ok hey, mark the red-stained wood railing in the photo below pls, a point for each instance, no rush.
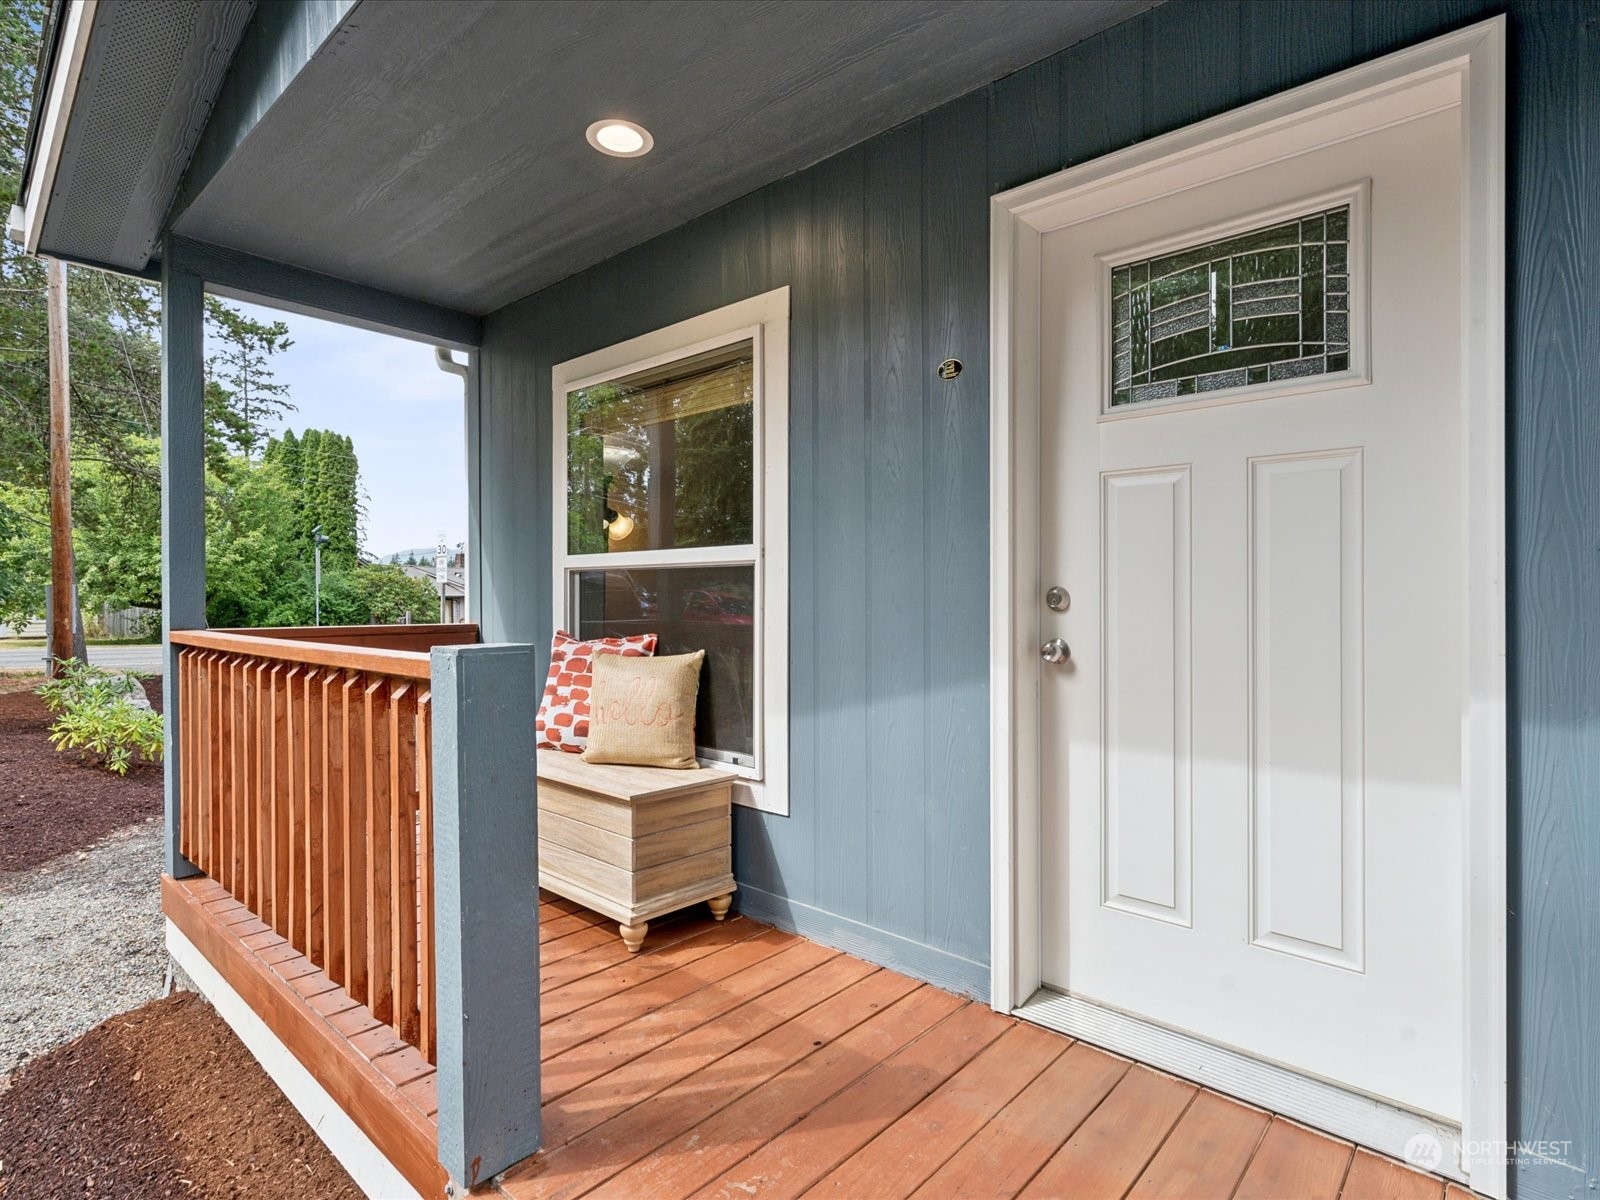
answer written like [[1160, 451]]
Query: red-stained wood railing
[[307, 792]]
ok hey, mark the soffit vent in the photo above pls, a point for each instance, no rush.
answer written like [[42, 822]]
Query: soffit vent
[[152, 71]]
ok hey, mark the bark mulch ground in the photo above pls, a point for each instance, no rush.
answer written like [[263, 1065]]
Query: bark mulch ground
[[162, 1101], [53, 803]]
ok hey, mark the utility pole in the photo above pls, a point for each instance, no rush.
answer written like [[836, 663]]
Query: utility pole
[[66, 636]]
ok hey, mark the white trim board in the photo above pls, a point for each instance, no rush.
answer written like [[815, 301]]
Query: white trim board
[[373, 1173], [1465, 69]]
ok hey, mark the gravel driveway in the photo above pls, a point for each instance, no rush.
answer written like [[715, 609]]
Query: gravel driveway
[[81, 939]]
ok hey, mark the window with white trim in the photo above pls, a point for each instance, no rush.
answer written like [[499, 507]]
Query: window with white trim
[[671, 518]]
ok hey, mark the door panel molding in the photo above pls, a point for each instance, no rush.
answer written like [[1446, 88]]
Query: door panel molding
[[1305, 563], [1146, 848], [1465, 69]]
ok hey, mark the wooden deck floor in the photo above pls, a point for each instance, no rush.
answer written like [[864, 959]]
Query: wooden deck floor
[[736, 1061]]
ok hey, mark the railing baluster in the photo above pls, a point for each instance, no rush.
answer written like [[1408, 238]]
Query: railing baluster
[[186, 743], [356, 766], [247, 776], [428, 1012], [207, 767], [312, 888], [281, 769], [219, 766], [216, 834], [238, 796], [262, 828], [295, 700], [230, 778], [379, 929], [403, 857], [205, 795], [332, 824]]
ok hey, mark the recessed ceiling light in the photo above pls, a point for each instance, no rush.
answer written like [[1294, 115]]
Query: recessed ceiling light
[[621, 139]]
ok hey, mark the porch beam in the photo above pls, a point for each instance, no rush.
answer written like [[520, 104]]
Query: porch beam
[[486, 911], [183, 527], [241, 276]]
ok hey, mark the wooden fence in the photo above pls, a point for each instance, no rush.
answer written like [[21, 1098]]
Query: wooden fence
[[307, 792]]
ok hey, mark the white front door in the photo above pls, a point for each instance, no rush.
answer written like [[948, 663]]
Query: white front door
[[1252, 809]]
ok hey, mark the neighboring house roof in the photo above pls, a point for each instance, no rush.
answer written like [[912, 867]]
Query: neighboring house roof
[[455, 583], [502, 195]]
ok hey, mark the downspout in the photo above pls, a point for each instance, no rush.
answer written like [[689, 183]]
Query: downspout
[[445, 361]]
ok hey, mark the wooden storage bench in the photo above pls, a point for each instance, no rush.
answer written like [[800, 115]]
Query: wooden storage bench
[[635, 843]]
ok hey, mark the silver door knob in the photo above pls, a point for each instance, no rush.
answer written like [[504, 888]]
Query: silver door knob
[[1055, 651]]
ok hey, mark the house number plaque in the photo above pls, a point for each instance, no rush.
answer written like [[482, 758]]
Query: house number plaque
[[950, 368]]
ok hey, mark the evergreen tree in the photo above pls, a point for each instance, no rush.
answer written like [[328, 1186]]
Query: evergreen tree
[[240, 367]]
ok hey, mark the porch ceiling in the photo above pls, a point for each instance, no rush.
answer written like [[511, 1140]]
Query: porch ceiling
[[437, 150]]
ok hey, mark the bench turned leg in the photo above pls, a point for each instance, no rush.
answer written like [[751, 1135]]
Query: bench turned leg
[[633, 935], [720, 905]]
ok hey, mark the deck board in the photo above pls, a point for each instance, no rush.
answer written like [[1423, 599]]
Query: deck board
[[1010, 1149], [599, 1055], [633, 1004], [1206, 1154], [1374, 1178], [636, 969], [720, 1057], [904, 1155], [1110, 1150], [791, 1162], [1295, 1161], [775, 1081]]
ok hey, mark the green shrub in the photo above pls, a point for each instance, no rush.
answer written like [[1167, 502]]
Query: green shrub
[[96, 716]]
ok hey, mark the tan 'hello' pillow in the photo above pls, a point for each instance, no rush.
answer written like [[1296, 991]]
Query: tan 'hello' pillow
[[641, 710]]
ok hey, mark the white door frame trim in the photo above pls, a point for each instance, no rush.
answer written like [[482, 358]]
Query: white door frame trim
[[1465, 68]]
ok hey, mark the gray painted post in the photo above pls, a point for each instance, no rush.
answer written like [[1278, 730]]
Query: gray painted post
[[183, 526], [486, 912]]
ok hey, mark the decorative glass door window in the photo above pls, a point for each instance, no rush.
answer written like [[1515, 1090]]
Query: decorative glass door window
[[662, 512], [1264, 306]]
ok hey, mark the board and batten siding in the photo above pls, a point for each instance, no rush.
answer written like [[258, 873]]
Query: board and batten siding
[[886, 249]]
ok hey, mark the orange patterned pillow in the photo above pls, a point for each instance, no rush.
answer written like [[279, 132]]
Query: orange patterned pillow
[[563, 720]]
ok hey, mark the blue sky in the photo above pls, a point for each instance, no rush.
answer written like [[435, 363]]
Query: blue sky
[[403, 413]]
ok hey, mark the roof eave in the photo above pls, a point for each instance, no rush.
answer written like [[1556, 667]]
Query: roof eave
[[60, 70]]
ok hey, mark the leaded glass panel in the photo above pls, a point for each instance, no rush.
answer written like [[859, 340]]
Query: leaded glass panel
[[1258, 307]]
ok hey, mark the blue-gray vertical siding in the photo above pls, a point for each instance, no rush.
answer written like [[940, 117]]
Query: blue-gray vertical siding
[[885, 247]]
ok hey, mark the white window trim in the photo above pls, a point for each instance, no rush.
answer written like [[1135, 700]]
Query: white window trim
[[763, 319]]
